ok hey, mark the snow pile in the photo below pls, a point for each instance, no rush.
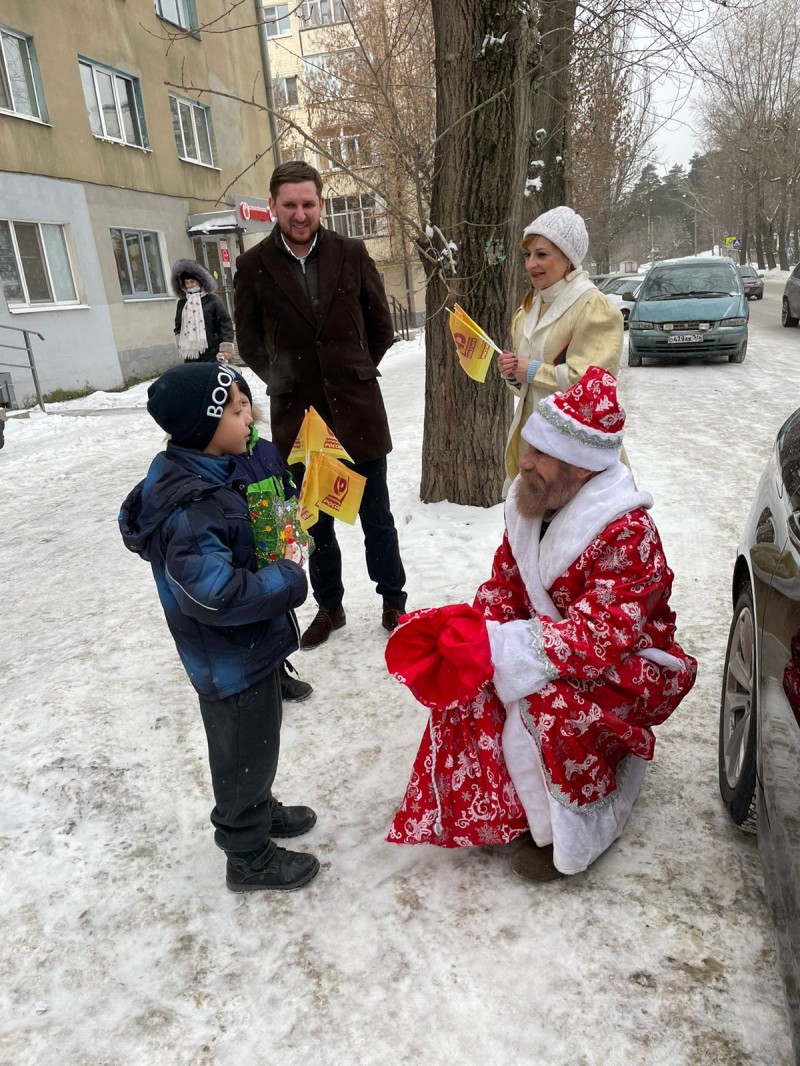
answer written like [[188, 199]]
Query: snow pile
[[121, 944]]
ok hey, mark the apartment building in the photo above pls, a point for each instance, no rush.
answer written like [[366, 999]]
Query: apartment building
[[299, 45], [114, 163]]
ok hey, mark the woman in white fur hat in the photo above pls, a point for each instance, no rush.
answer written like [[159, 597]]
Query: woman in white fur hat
[[564, 325]]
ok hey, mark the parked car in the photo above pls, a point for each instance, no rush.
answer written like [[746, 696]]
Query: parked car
[[693, 306], [753, 282], [614, 288], [759, 721], [599, 280], [790, 303]]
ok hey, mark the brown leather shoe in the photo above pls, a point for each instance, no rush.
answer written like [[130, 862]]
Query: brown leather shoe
[[390, 617], [323, 625], [533, 863]]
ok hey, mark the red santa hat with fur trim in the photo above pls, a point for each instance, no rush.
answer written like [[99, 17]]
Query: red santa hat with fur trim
[[582, 426]]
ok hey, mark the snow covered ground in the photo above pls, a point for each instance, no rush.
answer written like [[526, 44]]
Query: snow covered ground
[[121, 944]]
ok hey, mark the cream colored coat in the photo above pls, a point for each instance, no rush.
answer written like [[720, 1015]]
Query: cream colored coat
[[590, 325]]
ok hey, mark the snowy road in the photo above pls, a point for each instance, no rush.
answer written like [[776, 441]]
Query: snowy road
[[121, 945]]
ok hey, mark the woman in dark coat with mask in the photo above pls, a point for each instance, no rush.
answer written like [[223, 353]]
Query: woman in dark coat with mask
[[203, 327]]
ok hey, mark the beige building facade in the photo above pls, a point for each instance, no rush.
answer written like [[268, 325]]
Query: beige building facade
[[117, 158]]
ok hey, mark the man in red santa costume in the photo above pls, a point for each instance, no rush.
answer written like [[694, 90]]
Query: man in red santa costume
[[544, 694]]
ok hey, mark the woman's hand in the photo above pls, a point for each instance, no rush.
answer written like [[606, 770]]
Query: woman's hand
[[507, 364], [511, 368]]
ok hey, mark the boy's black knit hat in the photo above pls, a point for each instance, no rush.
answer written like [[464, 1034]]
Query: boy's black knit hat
[[241, 381], [187, 401]]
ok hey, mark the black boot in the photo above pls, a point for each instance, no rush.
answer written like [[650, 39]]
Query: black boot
[[291, 821], [293, 690], [273, 868]]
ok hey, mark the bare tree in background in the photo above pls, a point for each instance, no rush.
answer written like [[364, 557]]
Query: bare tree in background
[[751, 116], [372, 110], [611, 134]]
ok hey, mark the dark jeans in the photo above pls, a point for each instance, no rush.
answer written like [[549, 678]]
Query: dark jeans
[[244, 733], [384, 564]]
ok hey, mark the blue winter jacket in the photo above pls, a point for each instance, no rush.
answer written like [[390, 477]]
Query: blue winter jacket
[[230, 621]]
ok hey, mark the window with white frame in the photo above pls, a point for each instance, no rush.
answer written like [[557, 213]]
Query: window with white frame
[[140, 266], [191, 124], [113, 100], [360, 215], [322, 12], [319, 74], [180, 12], [276, 20], [346, 148], [35, 267], [20, 80], [296, 151], [286, 93]]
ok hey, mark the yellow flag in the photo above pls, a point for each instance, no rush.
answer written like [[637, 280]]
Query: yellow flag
[[340, 489], [462, 314], [314, 436], [307, 510], [329, 486], [473, 346]]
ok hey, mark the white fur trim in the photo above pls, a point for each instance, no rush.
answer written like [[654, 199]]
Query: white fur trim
[[578, 837], [661, 658], [602, 499], [521, 665], [551, 431], [523, 537]]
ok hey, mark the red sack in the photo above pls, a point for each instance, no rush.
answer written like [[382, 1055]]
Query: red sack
[[441, 654]]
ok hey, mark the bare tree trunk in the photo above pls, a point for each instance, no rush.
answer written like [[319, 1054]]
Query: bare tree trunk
[[760, 248], [483, 82], [552, 103], [783, 262], [769, 246], [744, 255]]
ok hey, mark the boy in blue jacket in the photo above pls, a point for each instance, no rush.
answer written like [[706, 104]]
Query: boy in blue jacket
[[230, 620]]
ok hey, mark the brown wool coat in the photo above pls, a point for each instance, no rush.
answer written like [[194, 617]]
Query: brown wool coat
[[328, 361]]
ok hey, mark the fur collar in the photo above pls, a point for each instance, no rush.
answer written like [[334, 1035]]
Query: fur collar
[[197, 270]]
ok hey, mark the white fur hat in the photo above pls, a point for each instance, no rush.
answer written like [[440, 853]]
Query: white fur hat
[[565, 229]]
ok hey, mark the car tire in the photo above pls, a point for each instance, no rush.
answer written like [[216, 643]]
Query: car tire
[[634, 359], [625, 317], [787, 319], [738, 716], [739, 357], [760, 297]]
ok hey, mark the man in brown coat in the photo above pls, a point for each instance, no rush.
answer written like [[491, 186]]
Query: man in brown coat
[[313, 322]]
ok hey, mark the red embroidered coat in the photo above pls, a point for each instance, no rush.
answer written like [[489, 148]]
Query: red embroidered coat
[[591, 693]]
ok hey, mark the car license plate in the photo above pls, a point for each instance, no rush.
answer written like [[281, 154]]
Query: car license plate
[[685, 338]]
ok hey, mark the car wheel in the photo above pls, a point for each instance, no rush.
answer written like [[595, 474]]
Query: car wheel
[[786, 318], [625, 317], [738, 715], [634, 359], [760, 296], [738, 357]]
